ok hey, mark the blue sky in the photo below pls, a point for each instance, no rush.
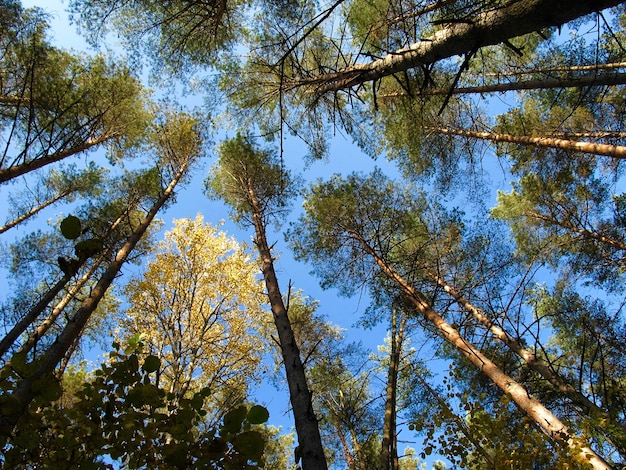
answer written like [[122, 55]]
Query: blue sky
[[345, 158]]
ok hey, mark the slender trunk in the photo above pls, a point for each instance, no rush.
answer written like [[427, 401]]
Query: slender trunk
[[529, 405], [389, 453], [590, 135], [44, 326], [608, 150], [14, 171], [589, 235], [26, 389], [570, 68], [58, 374], [346, 449], [33, 211], [616, 431], [10, 100], [309, 439], [540, 84], [485, 29], [32, 315]]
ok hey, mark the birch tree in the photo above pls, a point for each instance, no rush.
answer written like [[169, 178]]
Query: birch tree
[[195, 308]]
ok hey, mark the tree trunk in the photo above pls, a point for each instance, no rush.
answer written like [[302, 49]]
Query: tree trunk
[[486, 28], [32, 315], [346, 448], [14, 171], [606, 79], [25, 391], [617, 433], [551, 70], [389, 453], [309, 439], [46, 324], [529, 405], [33, 211], [608, 150]]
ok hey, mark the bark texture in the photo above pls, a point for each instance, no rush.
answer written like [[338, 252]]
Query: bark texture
[[606, 79], [618, 436], [607, 150], [529, 405], [14, 171], [486, 28], [307, 429]]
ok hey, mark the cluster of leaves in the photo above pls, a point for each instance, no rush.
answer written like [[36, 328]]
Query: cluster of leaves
[[119, 414], [196, 305], [560, 210], [464, 422], [71, 228]]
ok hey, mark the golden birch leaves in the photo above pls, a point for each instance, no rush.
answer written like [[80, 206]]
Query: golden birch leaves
[[195, 306]]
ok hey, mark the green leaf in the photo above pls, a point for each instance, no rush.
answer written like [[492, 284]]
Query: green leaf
[[143, 394], [70, 227], [215, 448], [258, 415], [176, 454], [197, 401], [250, 444], [88, 248], [47, 388], [151, 364], [234, 419], [19, 364], [9, 405], [134, 343]]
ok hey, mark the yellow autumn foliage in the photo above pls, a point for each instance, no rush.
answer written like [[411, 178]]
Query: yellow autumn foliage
[[197, 307]]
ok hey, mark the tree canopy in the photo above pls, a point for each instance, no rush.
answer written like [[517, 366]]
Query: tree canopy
[[484, 243]]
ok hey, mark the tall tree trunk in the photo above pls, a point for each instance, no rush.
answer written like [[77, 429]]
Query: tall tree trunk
[[389, 453], [551, 70], [615, 431], [33, 211], [46, 324], [486, 28], [346, 448], [606, 79], [38, 309], [529, 405], [32, 315], [608, 150], [307, 429], [26, 390], [14, 171]]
